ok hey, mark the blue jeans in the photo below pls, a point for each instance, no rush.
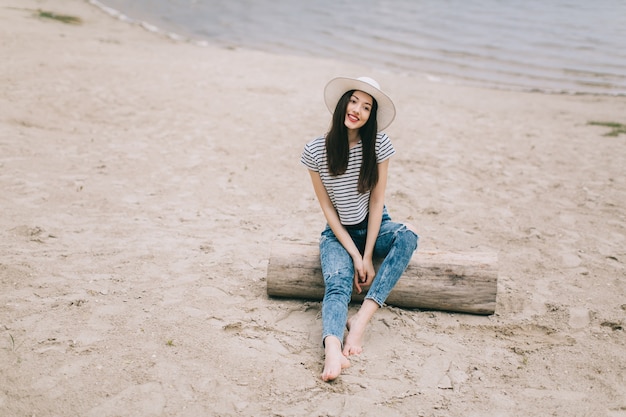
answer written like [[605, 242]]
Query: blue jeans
[[395, 243]]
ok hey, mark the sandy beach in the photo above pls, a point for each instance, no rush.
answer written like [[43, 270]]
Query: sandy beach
[[144, 180]]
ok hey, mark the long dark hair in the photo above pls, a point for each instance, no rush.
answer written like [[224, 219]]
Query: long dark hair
[[338, 148]]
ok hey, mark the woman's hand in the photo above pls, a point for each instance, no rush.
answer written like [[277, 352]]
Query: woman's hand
[[364, 273]]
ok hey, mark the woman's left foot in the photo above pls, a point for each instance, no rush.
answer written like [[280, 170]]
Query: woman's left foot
[[354, 340]]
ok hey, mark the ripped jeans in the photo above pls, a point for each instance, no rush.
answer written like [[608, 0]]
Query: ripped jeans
[[395, 243]]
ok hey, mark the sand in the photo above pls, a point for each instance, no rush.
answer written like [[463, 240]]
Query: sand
[[144, 179]]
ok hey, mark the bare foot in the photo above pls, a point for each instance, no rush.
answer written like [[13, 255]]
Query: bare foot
[[354, 339], [334, 361], [356, 328]]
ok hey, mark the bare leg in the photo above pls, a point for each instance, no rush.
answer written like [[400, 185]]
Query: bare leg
[[334, 360], [356, 327]]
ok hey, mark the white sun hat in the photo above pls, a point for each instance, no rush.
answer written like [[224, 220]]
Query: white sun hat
[[340, 85]]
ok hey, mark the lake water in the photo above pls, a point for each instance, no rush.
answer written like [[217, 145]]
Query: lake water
[[567, 46]]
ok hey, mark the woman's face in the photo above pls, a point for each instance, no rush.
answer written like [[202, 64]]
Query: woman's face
[[358, 110]]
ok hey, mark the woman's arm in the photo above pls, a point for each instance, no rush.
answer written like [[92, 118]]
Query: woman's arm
[[332, 218], [376, 205]]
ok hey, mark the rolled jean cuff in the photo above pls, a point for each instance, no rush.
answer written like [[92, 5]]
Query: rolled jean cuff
[[381, 304]]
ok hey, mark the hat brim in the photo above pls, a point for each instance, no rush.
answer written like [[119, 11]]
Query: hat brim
[[337, 87]]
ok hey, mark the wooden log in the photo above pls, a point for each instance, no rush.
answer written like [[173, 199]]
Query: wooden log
[[448, 281]]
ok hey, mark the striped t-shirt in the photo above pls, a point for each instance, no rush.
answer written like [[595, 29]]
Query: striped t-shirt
[[352, 207]]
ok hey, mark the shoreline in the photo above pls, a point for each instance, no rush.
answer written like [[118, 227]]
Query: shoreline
[[116, 14], [437, 77], [145, 180]]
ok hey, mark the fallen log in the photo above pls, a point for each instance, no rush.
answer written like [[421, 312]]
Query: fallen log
[[448, 281]]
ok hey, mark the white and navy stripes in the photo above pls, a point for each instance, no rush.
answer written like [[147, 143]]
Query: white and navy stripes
[[352, 206]]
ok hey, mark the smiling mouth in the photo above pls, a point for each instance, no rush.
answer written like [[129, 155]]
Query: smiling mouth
[[353, 118]]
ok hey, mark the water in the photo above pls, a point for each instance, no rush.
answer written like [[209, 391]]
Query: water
[[570, 46]]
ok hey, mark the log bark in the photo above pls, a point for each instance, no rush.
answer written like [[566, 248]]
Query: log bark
[[448, 281]]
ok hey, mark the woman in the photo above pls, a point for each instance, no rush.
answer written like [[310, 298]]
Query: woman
[[348, 168]]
